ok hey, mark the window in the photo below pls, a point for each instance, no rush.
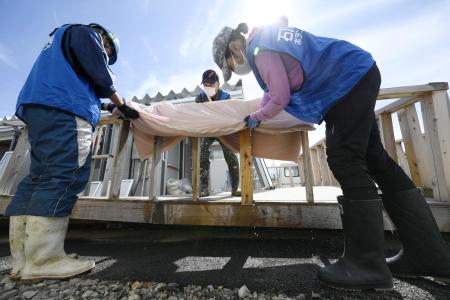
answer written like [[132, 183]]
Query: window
[[294, 171]]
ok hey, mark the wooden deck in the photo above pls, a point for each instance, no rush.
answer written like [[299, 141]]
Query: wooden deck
[[285, 207]]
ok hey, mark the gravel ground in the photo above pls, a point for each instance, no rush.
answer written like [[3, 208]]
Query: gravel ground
[[145, 262]]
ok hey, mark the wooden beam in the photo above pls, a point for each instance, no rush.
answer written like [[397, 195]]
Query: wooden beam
[[155, 171], [274, 214], [301, 168], [401, 156], [315, 166], [195, 168], [417, 138], [323, 165], [414, 90], [245, 144], [387, 134], [120, 150], [441, 105], [409, 148], [396, 105], [308, 166], [440, 190], [12, 170]]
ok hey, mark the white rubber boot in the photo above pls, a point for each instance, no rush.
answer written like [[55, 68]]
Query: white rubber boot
[[16, 244], [44, 250]]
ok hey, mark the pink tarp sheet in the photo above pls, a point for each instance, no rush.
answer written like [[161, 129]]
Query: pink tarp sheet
[[278, 138]]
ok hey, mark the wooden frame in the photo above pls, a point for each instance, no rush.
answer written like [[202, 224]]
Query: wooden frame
[[427, 157]]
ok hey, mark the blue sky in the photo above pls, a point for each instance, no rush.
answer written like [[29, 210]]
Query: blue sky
[[167, 44]]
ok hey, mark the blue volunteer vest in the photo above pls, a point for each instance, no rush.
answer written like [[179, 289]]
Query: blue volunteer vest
[[53, 82], [331, 68], [223, 95]]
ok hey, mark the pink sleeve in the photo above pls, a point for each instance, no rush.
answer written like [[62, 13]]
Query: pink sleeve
[[271, 69]]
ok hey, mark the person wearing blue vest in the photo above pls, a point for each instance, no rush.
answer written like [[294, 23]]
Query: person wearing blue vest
[[60, 104], [212, 92], [318, 79]]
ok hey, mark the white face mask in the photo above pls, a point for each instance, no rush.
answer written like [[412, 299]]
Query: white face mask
[[210, 91], [243, 69]]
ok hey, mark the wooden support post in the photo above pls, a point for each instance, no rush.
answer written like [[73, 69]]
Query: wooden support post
[[387, 135], [245, 145], [440, 191], [155, 172], [110, 161], [315, 167], [441, 105], [420, 147], [402, 162], [409, 148], [120, 150], [14, 165], [301, 169], [308, 167], [195, 168], [323, 165]]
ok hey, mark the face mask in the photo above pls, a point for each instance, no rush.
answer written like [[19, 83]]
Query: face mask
[[210, 91], [243, 69]]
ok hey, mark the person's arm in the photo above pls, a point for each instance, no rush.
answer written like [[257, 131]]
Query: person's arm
[[87, 47], [272, 71]]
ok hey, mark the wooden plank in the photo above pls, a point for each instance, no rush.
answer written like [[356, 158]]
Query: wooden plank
[[418, 141], [315, 166], [308, 166], [109, 120], [195, 168], [387, 134], [273, 214], [409, 148], [440, 191], [12, 170], [441, 105], [245, 145], [414, 90], [301, 168], [109, 168], [396, 105], [323, 165], [402, 162], [154, 189], [124, 129]]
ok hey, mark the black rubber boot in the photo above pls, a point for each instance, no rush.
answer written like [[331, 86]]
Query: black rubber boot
[[362, 266], [424, 252]]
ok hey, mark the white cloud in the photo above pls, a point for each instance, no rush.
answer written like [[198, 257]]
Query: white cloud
[[152, 84], [198, 36], [149, 50], [6, 57]]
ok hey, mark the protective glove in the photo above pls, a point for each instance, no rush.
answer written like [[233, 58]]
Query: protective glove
[[250, 123], [128, 112], [108, 106]]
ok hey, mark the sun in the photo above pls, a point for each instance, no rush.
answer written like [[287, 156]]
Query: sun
[[264, 12]]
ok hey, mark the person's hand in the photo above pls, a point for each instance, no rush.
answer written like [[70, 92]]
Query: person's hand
[[128, 112], [107, 106], [250, 123]]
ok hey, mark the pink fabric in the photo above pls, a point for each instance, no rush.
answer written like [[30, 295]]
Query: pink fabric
[[277, 138]]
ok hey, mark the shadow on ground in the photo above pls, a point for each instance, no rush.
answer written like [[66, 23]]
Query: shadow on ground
[[275, 260]]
